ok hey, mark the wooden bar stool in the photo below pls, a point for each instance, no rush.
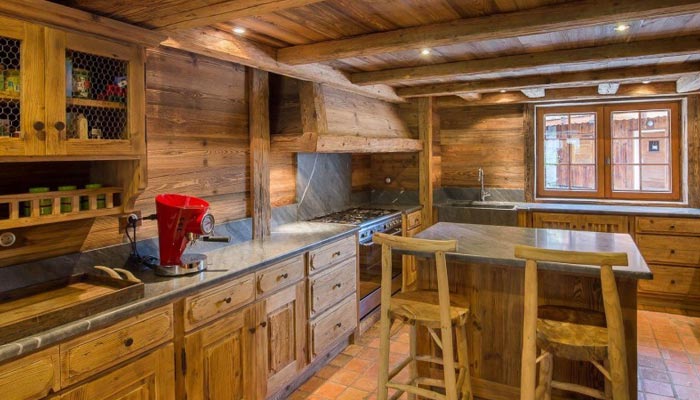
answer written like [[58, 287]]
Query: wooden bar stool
[[570, 333], [431, 309]]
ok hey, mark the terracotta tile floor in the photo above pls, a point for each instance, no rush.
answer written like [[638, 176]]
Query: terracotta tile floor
[[668, 354]]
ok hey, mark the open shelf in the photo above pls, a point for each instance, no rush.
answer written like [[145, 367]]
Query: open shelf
[[8, 95], [31, 202], [76, 101]]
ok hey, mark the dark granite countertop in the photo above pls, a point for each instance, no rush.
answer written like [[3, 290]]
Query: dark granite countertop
[[404, 208], [495, 245], [225, 263], [597, 209]]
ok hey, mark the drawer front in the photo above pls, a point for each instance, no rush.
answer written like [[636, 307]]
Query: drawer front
[[32, 377], [672, 280], [87, 355], [332, 325], [209, 304], [670, 249], [279, 275], [680, 226], [413, 220], [331, 286], [330, 254]]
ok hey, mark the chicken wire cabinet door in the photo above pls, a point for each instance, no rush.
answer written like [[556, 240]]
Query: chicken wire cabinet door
[[22, 128], [95, 97]]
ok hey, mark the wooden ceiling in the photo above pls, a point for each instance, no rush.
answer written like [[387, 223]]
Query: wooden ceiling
[[475, 46]]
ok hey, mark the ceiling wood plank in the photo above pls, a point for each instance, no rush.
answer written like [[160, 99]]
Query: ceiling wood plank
[[565, 94], [688, 83], [534, 93], [225, 11], [224, 46], [493, 27], [608, 88], [584, 78], [633, 52]]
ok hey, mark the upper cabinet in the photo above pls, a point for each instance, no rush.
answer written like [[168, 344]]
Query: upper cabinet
[[65, 94]]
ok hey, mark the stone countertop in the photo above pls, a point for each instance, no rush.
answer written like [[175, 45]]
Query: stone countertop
[[404, 208], [225, 263], [486, 244], [597, 209]]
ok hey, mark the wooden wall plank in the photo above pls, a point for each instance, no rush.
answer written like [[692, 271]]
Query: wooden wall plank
[[259, 92], [427, 124]]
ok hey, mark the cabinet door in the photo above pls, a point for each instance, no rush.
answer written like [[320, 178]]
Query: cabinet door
[[147, 378], [555, 221], [94, 97], [604, 223], [21, 89], [218, 359], [282, 337]]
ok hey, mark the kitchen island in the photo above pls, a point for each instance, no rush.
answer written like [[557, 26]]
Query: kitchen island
[[485, 270]]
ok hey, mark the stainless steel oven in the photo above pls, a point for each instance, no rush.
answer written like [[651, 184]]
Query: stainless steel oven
[[371, 271]]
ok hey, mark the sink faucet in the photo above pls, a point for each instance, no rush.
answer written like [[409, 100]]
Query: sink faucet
[[483, 194]]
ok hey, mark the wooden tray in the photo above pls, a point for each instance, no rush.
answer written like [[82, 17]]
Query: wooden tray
[[37, 308]]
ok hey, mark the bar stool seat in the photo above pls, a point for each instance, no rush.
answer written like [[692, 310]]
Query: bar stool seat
[[572, 341], [423, 307]]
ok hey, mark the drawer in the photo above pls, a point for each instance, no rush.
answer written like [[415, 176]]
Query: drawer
[[670, 249], [332, 325], [330, 254], [680, 226], [205, 306], [413, 220], [331, 286], [672, 280], [95, 352], [280, 275], [32, 377]]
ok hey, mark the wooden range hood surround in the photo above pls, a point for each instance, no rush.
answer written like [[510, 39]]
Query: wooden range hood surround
[[312, 117]]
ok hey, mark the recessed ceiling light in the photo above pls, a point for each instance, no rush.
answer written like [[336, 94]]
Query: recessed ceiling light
[[425, 52], [238, 30], [502, 90], [646, 82], [622, 27]]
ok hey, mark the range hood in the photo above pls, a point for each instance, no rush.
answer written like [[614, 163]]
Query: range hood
[[311, 117]]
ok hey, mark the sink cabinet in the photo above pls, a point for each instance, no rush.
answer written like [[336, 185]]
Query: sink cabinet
[[581, 222]]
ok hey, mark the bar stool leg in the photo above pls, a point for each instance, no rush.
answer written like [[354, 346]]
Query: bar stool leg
[[544, 387], [608, 384], [464, 380], [413, 366]]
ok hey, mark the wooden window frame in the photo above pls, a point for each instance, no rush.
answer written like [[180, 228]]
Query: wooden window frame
[[604, 149]]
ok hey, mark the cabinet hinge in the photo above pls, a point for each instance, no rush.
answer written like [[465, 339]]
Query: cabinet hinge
[[183, 361]]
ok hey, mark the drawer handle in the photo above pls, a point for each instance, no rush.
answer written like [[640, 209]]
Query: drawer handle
[[251, 330], [336, 254], [673, 281], [339, 324], [672, 227], [228, 300], [128, 342], [673, 251], [337, 285], [263, 324], [283, 276]]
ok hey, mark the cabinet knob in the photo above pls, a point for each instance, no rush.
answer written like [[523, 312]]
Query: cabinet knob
[[673, 251], [128, 342], [60, 125], [39, 126], [339, 324], [251, 330], [336, 254], [672, 227], [227, 300], [337, 285], [673, 281], [284, 276], [263, 324]]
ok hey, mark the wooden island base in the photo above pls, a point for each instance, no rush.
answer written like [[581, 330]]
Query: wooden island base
[[496, 323]]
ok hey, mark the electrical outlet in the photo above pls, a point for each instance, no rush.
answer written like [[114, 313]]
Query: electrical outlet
[[124, 220]]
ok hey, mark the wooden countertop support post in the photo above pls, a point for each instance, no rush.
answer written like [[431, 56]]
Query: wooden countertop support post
[[426, 128], [259, 128]]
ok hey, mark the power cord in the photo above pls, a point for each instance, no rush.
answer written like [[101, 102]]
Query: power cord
[[132, 222]]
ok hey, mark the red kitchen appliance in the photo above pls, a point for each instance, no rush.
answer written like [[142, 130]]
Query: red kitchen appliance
[[181, 220]]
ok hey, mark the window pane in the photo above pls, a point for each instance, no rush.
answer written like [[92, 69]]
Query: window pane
[[625, 124], [656, 178], [655, 123], [582, 126], [556, 152], [582, 151], [625, 151], [626, 177], [655, 151], [583, 177], [556, 177], [556, 126]]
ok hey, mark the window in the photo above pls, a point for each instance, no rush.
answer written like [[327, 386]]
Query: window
[[611, 151]]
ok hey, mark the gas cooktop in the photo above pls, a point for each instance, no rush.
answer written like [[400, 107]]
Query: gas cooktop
[[354, 216]]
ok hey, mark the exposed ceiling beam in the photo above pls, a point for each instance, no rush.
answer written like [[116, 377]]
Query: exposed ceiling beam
[[225, 11], [632, 52], [534, 93], [499, 26], [224, 46], [608, 88], [470, 96], [569, 79], [566, 94], [688, 83]]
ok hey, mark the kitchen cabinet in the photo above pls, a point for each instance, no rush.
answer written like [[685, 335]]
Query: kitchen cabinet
[[32, 377], [67, 94], [581, 222], [411, 227]]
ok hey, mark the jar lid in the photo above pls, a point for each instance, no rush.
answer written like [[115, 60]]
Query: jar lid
[[93, 186], [39, 190], [67, 187]]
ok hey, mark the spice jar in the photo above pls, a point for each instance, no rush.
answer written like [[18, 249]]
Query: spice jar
[[66, 202], [12, 80], [45, 205], [101, 198]]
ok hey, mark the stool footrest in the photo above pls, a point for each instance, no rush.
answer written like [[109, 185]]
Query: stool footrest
[[399, 367], [572, 387], [416, 390], [437, 360]]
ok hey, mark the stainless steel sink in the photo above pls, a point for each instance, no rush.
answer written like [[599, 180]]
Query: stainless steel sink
[[479, 212]]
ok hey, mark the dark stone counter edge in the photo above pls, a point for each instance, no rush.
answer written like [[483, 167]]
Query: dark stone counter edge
[[637, 210], [59, 334]]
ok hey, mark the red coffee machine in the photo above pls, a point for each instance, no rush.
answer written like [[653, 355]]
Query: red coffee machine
[[181, 220]]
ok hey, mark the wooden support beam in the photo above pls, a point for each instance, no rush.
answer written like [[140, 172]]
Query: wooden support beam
[[608, 88], [632, 52], [426, 128], [259, 128], [688, 83], [570, 79], [78, 21], [224, 11], [567, 94], [225, 46], [534, 93], [535, 21]]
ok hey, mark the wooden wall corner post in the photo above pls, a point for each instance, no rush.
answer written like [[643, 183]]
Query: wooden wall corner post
[[259, 129], [426, 127], [693, 132], [530, 166]]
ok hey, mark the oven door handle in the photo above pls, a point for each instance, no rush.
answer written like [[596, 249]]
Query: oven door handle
[[394, 232]]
